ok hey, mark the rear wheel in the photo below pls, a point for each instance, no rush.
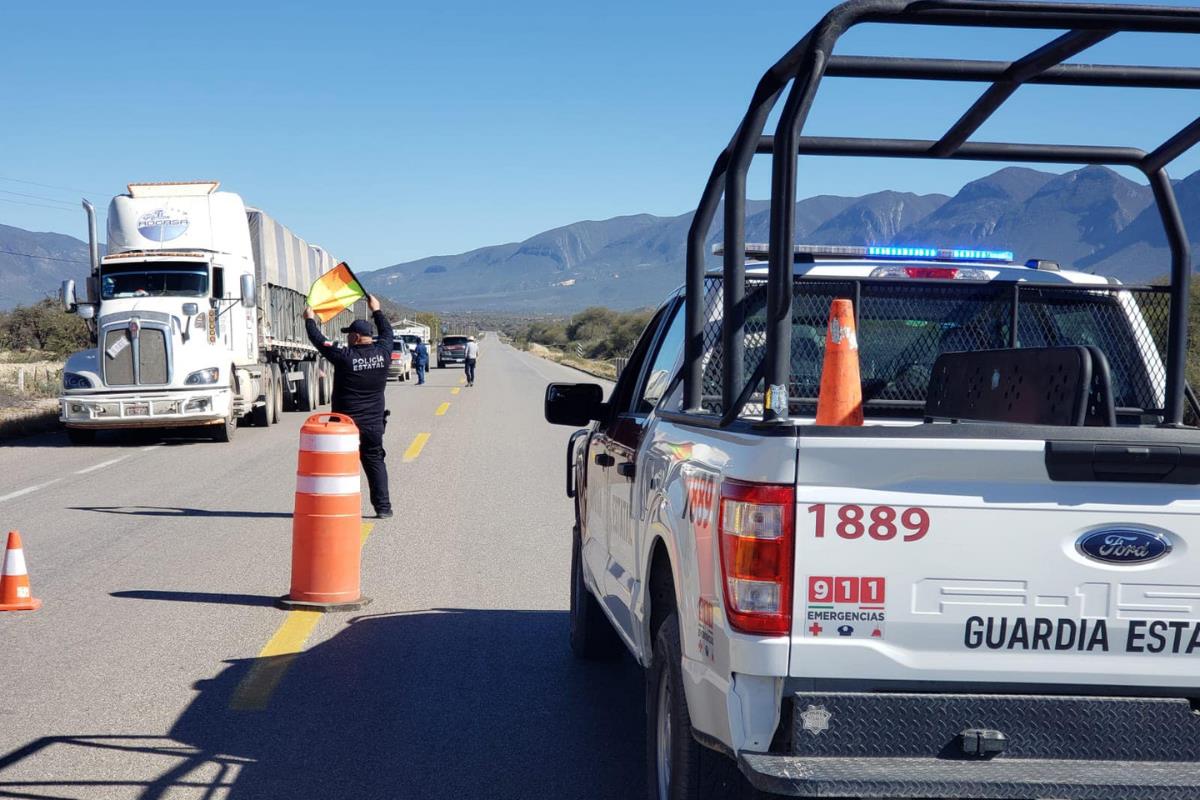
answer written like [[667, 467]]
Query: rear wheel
[[592, 636], [81, 436], [678, 767]]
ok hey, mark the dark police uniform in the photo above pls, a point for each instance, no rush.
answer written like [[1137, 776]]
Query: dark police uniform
[[360, 374]]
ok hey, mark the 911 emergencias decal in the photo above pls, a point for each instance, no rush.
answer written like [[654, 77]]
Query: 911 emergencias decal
[[842, 607]]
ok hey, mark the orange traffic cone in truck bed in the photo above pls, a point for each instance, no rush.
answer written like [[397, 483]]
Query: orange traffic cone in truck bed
[[840, 400], [15, 594]]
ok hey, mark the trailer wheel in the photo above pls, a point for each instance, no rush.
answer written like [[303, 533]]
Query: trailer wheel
[[306, 388], [277, 393], [324, 386], [81, 436], [262, 415], [291, 397]]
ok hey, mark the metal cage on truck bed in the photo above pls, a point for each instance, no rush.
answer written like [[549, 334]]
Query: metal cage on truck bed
[[811, 60]]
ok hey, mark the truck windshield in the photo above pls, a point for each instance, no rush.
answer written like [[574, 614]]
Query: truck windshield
[[454, 341], [155, 279]]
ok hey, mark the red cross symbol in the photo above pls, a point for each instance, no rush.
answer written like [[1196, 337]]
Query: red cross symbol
[[815, 629]]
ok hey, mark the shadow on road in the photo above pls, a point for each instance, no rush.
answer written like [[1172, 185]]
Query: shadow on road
[[198, 597], [166, 511], [440, 705], [110, 439]]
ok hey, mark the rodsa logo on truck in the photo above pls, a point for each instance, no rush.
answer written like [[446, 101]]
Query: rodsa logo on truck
[[986, 589]]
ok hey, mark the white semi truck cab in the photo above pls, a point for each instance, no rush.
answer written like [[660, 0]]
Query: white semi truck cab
[[195, 312], [989, 588]]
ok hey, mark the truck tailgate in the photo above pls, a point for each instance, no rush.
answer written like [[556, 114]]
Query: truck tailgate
[[960, 560]]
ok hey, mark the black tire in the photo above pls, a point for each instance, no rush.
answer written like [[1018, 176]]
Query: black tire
[[695, 772], [290, 398], [262, 415], [225, 432], [592, 635], [277, 394], [306, 387], [324, 385], [81, 436]]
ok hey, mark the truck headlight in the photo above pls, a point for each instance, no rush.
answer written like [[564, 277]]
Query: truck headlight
[[203, 376], [73, 380]]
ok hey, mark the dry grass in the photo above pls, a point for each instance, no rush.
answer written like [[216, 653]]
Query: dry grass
[[601, 369], [29, 406]]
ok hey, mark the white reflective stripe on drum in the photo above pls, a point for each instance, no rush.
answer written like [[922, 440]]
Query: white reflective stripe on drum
[[329, 442], [14, 562], [327, 484]]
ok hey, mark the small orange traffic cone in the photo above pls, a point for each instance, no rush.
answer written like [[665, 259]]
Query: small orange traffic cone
[[14, 583], [840, 399]]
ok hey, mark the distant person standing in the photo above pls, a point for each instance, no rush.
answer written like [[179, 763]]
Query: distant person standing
[[421, 361], [360, 373], [469, 364]]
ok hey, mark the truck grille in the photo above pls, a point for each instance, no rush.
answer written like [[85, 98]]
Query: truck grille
[[143, 360]]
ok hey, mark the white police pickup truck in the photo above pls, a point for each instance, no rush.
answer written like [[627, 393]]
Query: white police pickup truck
[[985, 590]]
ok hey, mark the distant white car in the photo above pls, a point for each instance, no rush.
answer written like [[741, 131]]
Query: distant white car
[[402, 361]]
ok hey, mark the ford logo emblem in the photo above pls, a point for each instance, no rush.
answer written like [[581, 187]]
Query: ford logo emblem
[[1123, 545]]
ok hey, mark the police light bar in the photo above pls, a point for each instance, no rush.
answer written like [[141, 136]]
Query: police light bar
[[760, 252]]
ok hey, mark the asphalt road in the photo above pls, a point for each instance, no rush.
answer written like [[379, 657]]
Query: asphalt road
[[158, 562]]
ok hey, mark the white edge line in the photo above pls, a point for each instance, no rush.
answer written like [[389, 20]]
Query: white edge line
[[27, 490], [101, 465]]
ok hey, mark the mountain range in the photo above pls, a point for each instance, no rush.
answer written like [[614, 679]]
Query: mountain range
[[1092, 219]]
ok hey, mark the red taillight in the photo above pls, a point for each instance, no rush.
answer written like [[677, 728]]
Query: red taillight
[[757, 524], [395, 356], [931, 272]]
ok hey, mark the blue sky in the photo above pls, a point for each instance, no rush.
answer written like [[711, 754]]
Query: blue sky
[[391, 131]]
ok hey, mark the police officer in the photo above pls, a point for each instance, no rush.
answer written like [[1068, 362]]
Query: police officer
[[360, 373]]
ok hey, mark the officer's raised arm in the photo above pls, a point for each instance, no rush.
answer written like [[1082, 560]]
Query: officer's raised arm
[[384, 336], [323, 345]]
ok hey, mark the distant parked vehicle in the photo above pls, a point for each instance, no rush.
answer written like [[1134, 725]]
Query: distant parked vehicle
[[452, 350], [401, 366]]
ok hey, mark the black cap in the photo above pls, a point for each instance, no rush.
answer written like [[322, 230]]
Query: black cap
[[359, 326]]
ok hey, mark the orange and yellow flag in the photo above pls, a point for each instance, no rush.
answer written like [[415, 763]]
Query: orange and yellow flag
[[334, 292]]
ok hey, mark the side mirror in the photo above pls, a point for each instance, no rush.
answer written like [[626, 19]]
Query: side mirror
[[573, 404], [249, 290], [190, 309], [86, 311], [67, 296]]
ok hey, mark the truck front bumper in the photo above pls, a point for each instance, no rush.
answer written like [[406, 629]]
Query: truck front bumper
[[151, 410], [928, 745]]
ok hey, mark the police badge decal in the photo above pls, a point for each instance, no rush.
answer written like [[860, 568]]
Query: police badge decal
[[815, 720]]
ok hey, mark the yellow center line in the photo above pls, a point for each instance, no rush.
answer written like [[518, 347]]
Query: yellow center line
[[255, 690], [456, 390], [463, 381], [414, 449], [442, 409]]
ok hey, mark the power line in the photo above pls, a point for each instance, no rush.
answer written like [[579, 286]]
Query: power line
[[35, 205], [46, 258], [38, 197], [52, 186]]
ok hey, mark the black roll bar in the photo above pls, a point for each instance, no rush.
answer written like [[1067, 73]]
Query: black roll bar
[[812, 59]]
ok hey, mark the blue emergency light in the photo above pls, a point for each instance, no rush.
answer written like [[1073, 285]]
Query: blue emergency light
[[951, 254], [760, 252]]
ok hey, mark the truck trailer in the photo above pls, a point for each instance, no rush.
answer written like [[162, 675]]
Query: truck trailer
[[196, 316]]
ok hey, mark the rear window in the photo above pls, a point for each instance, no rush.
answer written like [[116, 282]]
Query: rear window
[[903, 327], [454, 340]]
